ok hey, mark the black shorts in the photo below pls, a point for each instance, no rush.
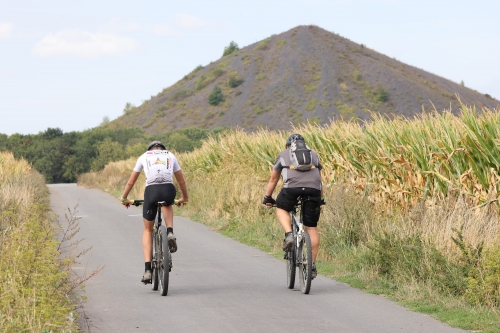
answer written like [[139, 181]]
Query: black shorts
[[152, 195], [287, 198]]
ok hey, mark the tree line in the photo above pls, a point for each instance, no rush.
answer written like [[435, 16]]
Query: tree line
[[61, 157]]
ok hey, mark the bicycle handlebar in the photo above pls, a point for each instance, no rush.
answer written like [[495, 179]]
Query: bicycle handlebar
[[137, 203]]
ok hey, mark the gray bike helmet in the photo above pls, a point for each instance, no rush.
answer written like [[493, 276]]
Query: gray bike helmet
[[156, 143], [292, 138]]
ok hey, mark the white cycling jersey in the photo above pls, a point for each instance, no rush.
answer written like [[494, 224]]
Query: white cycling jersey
[[158, 165]]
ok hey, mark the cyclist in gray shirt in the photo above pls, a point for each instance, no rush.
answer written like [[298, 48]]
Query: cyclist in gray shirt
[[296, 183]]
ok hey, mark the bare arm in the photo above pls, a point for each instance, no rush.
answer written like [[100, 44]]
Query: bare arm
[[273, 181], [182, 184], [128, 187]]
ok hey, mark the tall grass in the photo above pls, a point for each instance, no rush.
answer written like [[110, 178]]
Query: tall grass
[[35, 288], [113, 178]]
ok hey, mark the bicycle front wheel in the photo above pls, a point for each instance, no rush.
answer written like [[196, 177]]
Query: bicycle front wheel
[[154, 262], [163, 261], [305, 265], [290, 266]]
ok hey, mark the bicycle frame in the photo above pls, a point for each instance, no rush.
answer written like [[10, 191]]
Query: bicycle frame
[[297, 229]]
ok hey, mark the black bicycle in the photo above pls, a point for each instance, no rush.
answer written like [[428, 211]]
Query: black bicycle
[[161, 262], [300, 255]]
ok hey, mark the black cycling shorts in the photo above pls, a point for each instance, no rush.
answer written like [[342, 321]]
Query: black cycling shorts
[[287, 198], [152, 195]]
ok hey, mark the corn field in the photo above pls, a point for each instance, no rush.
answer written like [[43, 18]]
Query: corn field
[[399, 161]]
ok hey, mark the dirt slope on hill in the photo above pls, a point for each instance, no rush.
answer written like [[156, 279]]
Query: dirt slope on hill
[[306, 73]]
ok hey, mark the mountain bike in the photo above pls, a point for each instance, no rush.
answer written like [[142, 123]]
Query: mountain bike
[[300, 255], [161, 262]]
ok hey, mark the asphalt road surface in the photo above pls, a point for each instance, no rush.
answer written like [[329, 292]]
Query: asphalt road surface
[[216, 284]]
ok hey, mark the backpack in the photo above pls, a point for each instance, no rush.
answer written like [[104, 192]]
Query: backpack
[[300, 156]]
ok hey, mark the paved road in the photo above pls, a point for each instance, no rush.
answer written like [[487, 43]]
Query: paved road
[[216, 285]]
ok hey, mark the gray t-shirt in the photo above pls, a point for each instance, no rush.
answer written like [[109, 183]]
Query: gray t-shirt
[[294, 178]]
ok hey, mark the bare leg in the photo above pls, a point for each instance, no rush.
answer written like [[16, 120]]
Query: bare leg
[[314, 234], [284, 219], [168, 216], [147, 241]]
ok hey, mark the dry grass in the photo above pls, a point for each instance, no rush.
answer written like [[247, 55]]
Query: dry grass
[[113, 178], [36, 293]]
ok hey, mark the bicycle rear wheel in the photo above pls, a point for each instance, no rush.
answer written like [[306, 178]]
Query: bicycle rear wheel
[[163, 261], [154, 262], [305, 265], [290, 266]]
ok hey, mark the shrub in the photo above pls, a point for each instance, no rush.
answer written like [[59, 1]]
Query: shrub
[[411, 258], [382, 95], [200, 83], [234, 80], [231, 48], [216, 72], [181, 94], [216, 96], [484, 287]]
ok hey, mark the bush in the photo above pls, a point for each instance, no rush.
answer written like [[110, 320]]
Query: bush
[[382, 95], [234, 80], [181, 94], [410, 258], [484, 284], [232, 47], [216, 96], [200, 83]]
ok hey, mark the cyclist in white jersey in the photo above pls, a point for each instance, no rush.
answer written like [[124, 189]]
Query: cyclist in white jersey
[[159, 166]]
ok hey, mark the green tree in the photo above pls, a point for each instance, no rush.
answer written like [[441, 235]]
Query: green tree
[[180, 142], [129, 107], [216, 96], [232, 47], [108, 151]]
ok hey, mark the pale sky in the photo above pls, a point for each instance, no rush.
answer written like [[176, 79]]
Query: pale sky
[[69, 63]]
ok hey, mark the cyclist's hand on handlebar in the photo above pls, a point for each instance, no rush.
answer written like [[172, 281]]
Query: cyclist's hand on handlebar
[[126, 202], [269, 201], [180, 202]]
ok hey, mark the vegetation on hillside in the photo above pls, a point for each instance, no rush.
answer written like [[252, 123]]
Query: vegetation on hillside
[[412, 205], [60, 157], [303, 73], [37, 292]]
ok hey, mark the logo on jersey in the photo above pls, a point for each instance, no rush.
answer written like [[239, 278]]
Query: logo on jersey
[[158, 162]]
